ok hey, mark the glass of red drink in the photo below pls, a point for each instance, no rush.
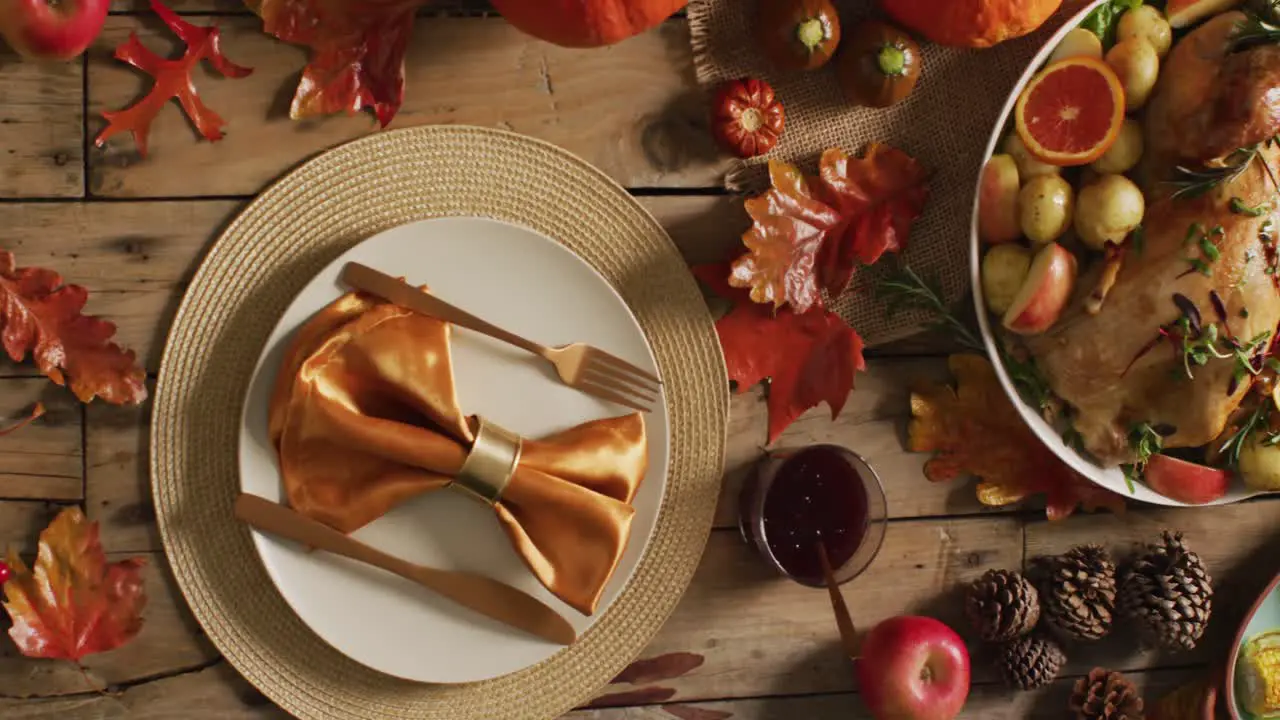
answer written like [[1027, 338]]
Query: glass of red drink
[[799, 498]]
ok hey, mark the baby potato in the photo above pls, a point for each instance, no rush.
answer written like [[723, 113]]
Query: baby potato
[[1137, 65], [1108, 210], [1124, 155], [1045, 206], [1260, 464], [1148, 23], [1004, 269], [1077, 43], [1028, 165]]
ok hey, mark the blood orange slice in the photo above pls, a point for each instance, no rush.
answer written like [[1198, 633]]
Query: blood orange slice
[[1072, 112]]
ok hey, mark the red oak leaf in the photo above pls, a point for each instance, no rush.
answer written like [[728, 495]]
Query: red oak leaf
[[172, 80], [358, 48], [975, 431], [72, 603], [41, 315], [809, 358], [809, 234], [879, 196]]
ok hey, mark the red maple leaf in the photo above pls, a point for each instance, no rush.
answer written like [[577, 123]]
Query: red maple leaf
[[172, 80], [41, 315], [72, 603], [809, 357], [811, 233], [358, 49]]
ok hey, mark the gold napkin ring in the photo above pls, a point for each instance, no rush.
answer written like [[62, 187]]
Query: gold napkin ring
[[490, 464]]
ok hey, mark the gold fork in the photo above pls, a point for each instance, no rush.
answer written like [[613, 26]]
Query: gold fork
[[580, 366]]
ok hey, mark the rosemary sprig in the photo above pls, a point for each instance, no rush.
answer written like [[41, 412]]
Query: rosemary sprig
[[1196, 182], [1231, 447], [1255, 29], [904, 289]]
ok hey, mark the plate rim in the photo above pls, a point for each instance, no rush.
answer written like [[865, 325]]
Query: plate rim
[[1233, 706], [1107, 478], [260, 538]]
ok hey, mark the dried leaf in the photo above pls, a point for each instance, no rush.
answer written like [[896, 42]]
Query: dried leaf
[[357, 52], [660, 667], [172, 80], [73, 603], [810, 234], [975, 431], [809, 358], [37, 411], [41, 315]]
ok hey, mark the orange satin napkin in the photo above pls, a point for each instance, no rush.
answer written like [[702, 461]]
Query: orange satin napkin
[[364, 415]]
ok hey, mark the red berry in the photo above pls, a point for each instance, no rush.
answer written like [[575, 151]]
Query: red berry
[[4, 572]]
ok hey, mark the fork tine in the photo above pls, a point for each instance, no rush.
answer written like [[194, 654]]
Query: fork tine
[[609, 394], [620, 383], [615, 375], [596, 354]]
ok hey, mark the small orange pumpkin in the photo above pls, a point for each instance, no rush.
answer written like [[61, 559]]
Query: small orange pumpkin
[[970, 23], [586, 23]]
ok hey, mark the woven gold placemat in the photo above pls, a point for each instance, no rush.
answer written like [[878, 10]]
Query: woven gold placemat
[[250, 276], [945, 124]]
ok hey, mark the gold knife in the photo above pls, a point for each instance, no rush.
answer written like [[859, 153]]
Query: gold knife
[[484, 595]]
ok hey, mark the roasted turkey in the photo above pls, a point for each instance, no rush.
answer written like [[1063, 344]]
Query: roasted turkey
[[1123, 363]]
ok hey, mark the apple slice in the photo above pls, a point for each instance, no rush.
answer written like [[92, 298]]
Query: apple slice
[[1045, 292], [1186, 481], [1185, 13], [998, 201]]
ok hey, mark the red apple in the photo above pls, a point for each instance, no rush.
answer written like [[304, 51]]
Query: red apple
[[998, 201], [1044, 293], [1186, 481], [1185, 13], [913, 668], [51, 29]]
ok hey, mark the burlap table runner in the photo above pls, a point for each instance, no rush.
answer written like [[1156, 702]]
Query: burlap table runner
[[945, 124]]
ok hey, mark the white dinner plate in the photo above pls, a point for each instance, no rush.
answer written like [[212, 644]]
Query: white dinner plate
[[517, 279]]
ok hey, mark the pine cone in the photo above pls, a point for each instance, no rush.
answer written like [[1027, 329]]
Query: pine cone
[[1106, 695], [1030, 661], [1168, 594], [1002, 605], [1078, 592]]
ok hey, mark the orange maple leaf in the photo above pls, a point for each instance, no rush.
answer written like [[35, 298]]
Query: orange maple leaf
[[41, 315], [172, 80], [73, 603], [358, 49], [810, 234], [976, 431]]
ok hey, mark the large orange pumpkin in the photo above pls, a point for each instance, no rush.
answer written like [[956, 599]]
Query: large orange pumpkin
[[970, 23], [586, 23]]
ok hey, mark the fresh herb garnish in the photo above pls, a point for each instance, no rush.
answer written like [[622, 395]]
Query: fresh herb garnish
[[1145, 441], [1235, 442], [1204, 241], [903, 289], [1239, 207], [1105, 18], [1193, 183], [1255, 29]]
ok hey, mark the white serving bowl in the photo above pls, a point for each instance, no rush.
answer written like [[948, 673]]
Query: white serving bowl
[[1110, 478]]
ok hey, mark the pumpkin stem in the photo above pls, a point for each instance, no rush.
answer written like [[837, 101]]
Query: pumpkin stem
[[892, 60], [752, 119], [811, 33]]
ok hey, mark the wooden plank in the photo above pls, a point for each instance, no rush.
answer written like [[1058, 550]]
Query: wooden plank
[[170, 642], [630, 110], [1237, 544], [752, 633], [41, 128], [118, 494], [213, 693], [20, 524], [986, 702], [42, 460]]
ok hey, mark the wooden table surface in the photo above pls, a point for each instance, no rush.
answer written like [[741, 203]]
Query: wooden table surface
[[742, 644]]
